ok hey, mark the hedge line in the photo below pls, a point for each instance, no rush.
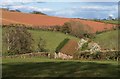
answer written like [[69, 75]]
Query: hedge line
[[104, 55]]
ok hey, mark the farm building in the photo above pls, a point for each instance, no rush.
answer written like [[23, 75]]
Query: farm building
[[68, 50]]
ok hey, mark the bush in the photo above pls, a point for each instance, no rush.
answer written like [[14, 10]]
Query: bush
[[107, 55], [66, 28], [84, 46], [41, 45], [58, 28], [95, 55], [89, 35]]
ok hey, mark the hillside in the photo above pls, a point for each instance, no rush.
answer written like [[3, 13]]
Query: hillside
[[108, 40], [47, 21], [31, 19], [107, 21], [53, 39]]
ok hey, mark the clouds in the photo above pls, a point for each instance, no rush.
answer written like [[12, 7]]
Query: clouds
[[69, 9], [60, 0], [23, 1], [31, 8], [97, 8], [17, 2], [88, 11]]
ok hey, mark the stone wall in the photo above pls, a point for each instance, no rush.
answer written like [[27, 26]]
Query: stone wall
[[29, 55], [62, 56], [102, 55]]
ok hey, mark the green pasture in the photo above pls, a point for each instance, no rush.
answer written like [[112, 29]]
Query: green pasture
[[44, 67]]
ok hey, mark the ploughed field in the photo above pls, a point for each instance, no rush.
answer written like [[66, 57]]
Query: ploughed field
[[44, 67], [34, 20]]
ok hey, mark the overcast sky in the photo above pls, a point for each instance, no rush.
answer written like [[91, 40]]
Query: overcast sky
[[67, 9]]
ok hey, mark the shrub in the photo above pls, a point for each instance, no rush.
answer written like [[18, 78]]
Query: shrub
[[58, 28], [41, 45], [95, 55], [104, 55], [84, 46], [89, 35], [66, 28]]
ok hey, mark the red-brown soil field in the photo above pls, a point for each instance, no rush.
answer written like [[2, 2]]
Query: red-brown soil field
[[47, 21], [70, 48]]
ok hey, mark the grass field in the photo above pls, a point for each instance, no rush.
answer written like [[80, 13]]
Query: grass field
[[53, 39], [108, 40], [108, 21], [43, 67]]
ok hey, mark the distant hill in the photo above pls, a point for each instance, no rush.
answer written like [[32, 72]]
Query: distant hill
[[42, 20]]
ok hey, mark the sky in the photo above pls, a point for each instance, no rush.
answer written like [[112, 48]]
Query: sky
[[76, 9]]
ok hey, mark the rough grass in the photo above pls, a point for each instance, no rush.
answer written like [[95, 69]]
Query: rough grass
[[108, 40], [43, 67], [53, 39]]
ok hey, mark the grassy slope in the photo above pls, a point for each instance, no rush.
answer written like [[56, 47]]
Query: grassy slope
[[108, 40], [52, 39], [110, 21], [37, 67]]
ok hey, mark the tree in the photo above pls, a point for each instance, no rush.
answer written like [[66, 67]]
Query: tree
[[41, 45], [17, 39], [57, 27], [17, 10], [37, 12], [78, 29], [66, 28]]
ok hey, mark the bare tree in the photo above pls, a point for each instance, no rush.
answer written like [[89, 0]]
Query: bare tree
[[76, 28], [17, 39]]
